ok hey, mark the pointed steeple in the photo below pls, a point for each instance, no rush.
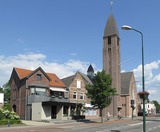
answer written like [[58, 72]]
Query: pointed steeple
[[90, 72], [111, 27]]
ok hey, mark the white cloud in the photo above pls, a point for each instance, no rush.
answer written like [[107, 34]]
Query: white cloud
[[152, 78], [34, 60]]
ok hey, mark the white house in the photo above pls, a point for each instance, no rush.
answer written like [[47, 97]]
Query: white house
[[150, 108], [1, 100]]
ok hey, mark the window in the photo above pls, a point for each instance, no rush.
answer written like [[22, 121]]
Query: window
[[82, 96], [74, 95], [109, 40], [86, 113], [14, 94], [78, 84], [39, 91], [90, 111], [39, 77], [95, 112]]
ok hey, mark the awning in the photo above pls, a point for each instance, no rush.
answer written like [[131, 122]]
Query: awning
[[58, 89], [88, 105]]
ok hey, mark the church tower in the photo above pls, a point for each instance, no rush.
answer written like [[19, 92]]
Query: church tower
[[111, 61]]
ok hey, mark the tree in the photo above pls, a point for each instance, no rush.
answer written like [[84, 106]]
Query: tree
[[157, 105], [1, 90], [100, 91]]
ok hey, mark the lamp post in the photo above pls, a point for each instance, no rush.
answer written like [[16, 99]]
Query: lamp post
[[125, 27]]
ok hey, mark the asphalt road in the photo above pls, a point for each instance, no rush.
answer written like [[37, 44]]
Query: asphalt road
[[152, 125], [125, 125]]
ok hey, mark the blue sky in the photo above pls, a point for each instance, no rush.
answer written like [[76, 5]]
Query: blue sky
[[65, 36]]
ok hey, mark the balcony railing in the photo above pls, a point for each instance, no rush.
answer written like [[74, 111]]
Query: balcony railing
[[59, 99], [41, 98]]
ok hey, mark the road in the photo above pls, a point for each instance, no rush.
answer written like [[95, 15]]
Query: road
[[125, 125], [152, 125]]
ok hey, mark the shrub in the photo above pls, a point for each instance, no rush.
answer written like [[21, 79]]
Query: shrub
[[8, 116], [1, 114]]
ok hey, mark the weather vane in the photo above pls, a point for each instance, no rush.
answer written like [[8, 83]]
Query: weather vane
[[111, 4]]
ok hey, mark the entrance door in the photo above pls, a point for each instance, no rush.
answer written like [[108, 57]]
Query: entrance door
[[53, 112]]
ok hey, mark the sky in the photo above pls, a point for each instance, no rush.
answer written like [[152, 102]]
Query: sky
[[66, 36]]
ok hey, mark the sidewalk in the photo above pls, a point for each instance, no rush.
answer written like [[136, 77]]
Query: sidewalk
[[65, 122]]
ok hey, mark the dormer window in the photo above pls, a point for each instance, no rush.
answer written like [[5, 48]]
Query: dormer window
[[39, 77]]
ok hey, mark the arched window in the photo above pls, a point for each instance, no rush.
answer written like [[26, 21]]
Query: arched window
[[14, 108]]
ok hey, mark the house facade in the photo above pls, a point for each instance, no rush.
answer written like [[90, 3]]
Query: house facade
[[77, 92], [1, 100], [36, 95]]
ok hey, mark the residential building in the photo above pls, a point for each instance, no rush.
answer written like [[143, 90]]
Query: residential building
[[77, 92], [37, 95], [150, 108], [1, 100]]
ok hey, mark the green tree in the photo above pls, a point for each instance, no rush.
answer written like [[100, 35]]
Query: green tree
[[100, 91], [1, 90], [157, 105]]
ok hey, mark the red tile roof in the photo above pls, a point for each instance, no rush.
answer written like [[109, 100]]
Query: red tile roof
[[55, 81]]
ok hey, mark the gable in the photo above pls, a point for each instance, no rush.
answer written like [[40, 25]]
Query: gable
[[52, 79], [72, 80]]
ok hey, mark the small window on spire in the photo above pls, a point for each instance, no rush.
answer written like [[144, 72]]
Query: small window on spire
[[109, 40]]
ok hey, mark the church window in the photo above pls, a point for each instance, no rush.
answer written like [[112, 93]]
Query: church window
[[118, 41], [109, 40]]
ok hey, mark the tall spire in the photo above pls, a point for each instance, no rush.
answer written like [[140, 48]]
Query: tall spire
[[111, 26]]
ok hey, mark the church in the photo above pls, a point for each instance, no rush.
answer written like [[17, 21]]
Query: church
[[124, 83]]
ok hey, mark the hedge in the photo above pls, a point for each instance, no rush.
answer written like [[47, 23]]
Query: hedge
[[6, 121]]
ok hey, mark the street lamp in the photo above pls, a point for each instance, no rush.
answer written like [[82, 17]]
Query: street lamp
[[126, 27]]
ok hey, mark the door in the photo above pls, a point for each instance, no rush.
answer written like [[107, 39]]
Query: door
[[53, 112]]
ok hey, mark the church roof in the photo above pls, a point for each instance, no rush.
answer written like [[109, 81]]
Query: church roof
[[111, 27], [125, 82]]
